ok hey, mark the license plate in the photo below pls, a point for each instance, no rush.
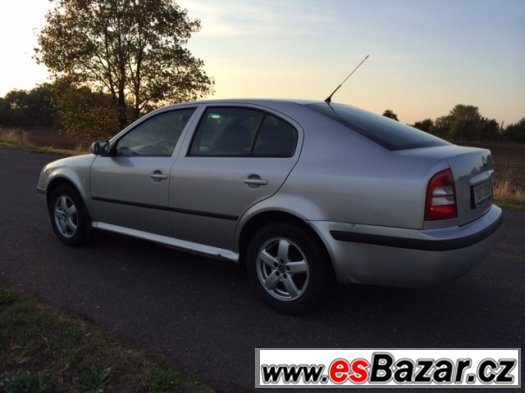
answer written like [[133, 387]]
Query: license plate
[[481, 193]]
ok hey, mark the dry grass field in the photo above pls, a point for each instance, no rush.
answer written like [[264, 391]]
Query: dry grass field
[[509, 183], [43, 137]]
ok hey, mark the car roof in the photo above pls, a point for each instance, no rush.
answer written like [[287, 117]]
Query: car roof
[[259, 101], [253, 101]]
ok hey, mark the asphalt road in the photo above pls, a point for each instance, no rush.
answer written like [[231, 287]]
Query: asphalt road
[[202, 313]]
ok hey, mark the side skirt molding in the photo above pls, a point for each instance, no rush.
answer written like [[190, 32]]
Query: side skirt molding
[[185, 245]]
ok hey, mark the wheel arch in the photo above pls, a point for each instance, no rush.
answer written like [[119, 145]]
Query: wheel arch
[[260, 219], [59, 180], [56, 182]]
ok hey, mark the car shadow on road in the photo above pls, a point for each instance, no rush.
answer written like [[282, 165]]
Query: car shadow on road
[[454, 312]]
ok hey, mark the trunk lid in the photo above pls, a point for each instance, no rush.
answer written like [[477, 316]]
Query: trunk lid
[[472, 169]]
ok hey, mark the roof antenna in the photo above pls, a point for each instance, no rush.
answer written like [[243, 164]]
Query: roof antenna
[[329, 98]]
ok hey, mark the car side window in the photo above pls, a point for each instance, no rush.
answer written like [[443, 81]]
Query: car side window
[[242, 132], [226, 132], [276, 138], [156, 136]]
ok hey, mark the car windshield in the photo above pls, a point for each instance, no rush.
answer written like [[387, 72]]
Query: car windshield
[[389, 133]]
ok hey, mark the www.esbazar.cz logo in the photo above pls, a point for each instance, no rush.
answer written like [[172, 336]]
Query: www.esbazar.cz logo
[[388, 368]]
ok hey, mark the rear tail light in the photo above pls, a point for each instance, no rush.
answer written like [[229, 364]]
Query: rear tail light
[[441, 197]]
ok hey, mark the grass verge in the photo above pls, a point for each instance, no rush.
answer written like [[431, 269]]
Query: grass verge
[[43, 350], [39, 149], [508, 192], [510, 203]]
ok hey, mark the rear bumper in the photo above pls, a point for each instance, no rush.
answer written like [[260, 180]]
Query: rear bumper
[[406, 257]]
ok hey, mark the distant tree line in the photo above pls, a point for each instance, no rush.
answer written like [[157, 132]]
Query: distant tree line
[[390, 114], [465, 123], [21, 108], [77, 111], [88, 114]]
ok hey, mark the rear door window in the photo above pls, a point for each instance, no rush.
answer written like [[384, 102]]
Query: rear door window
[[276, 138], [226, 132], [242, 132]]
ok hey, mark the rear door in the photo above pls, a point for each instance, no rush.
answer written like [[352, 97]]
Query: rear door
[[236, 157]]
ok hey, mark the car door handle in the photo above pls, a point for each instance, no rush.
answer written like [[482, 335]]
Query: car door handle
[[158, 176], [255, 181]]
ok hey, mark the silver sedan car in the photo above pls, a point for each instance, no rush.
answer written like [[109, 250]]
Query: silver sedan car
[[299, 193]]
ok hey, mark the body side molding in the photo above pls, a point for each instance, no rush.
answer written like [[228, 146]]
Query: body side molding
[[418, 244], [167, 208]]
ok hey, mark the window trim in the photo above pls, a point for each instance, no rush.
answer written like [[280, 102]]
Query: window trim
[[256, 135], [146, 118], [252, 147]]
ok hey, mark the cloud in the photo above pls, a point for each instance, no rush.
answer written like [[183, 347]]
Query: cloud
[[232, 18]]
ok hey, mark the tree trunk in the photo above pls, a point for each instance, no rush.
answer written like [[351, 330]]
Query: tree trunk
[[122, 108], [121, 61]]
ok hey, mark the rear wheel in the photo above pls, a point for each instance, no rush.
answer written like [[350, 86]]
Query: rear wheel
[[68, 215], [288, 268]]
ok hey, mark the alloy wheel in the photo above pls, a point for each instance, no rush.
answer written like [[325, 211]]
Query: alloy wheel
[[282, 269], [66, 217]]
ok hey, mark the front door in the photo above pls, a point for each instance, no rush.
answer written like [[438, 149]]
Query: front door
[[237, 157], [130, 187]]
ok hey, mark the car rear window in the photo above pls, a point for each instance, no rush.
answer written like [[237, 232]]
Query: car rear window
[[389, 133]]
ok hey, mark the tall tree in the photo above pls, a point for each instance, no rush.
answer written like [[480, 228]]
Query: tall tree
[[424, 125], [465, 123], [82, 113], [135, 50], [441, 127], [390, 114], [5, 109], [490, 130], [516, 132]]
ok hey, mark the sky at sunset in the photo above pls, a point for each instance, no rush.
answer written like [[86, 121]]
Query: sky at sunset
[[425, 56]]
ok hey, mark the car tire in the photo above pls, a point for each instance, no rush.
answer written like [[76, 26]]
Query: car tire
[[68, 214], [274, 267]]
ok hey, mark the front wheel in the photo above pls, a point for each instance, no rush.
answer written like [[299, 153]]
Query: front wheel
[[68, 215], [288, 268]]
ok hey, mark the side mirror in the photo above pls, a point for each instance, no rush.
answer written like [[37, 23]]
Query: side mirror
[[100, 148]]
